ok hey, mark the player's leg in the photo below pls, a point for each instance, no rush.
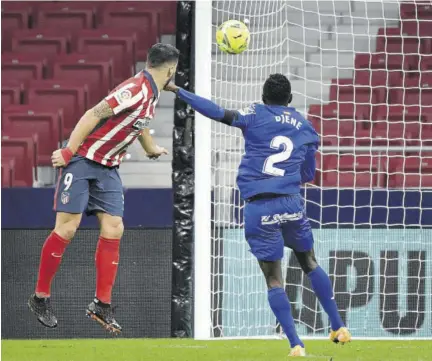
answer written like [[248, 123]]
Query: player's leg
[[266, 243], [70, 200], [298, 236], [106, 201], [323, 289]]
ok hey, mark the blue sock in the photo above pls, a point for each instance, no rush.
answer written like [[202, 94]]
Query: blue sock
[[281, 308], [323, 289]]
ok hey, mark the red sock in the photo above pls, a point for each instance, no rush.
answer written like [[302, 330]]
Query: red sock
[[51, 256], [107, 259]]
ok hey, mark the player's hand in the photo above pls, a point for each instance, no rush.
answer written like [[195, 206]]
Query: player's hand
[[157, 152], [171, 87], [57, 159]]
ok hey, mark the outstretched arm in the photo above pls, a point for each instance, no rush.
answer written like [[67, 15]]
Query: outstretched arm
[[204, 106]]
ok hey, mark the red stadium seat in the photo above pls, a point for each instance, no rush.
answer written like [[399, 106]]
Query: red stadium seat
[[401, 113], [349, 171], [413, 94], [45, 41], [392, 134], [71, 96], [117, 44], [23, 151], [420, 28], [90, 70], [390, 40], [381, 61], [344, 114], [26, 120], [7, 172], [408, 172], [137, 17], [11, 92], [14, 15], [379, 80], [349, 92], [22, 67], [419, 10], [426, 63], [64, 18]]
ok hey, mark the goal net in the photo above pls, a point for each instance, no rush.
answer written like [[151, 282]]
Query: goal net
[[361, 72]]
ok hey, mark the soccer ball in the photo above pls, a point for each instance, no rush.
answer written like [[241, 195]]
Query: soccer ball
[[232, 37]]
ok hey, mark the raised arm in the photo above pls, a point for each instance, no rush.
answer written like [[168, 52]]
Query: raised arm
[[204, 106]]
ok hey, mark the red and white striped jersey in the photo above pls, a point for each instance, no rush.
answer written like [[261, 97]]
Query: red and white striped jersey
[[133, 103]]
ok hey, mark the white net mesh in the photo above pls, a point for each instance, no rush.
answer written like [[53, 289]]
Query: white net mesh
[[361, 71]]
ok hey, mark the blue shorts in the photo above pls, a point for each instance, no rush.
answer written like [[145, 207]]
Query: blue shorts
[[272, 223], [84, 185]]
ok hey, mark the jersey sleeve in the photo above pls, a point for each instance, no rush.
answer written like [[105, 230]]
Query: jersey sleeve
[[244, 117], [127, 97], [308, 167]]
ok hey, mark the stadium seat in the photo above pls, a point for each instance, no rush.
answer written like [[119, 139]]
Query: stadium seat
[[402, 113], [72, 96], [345, 91], [11, 92], [26, 120], [24, 152], [417, 90], [390, 134], [45, 41], [426, 63], [342, 113], [14, 15], [381, 61], [117, 44], [92, 71], [349, 171], [7, 172], [64, 18], [390, 40], [379, 80], [139, 18], [414, 27], [410, 172], [16, 66], [419, 10]]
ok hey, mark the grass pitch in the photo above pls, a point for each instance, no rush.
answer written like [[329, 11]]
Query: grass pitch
[[190, 350]]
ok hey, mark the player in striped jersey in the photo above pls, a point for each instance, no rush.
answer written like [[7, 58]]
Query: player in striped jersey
[[89, 181]]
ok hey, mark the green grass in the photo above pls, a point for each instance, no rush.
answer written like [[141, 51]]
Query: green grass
[[190, 350]]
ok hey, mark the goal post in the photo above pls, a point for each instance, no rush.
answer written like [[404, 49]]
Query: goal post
[[371, 203], [203, 183]]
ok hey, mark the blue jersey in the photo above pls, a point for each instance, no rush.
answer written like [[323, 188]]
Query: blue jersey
[[280, 147]]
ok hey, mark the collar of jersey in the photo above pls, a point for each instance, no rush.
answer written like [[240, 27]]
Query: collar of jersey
[[152, 83]]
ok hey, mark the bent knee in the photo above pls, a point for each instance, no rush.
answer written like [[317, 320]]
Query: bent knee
[[310, 264], [67, 229], [274, 282], [112, 228]]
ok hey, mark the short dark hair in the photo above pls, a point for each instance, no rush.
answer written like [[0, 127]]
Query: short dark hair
[[159, 54], [277, 90]]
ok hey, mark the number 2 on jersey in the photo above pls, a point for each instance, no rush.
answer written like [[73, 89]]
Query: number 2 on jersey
[[269, 163]]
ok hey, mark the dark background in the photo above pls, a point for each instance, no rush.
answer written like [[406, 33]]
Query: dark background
[[142, 291]]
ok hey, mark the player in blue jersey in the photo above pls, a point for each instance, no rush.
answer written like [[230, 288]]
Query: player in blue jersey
[[280, 147]]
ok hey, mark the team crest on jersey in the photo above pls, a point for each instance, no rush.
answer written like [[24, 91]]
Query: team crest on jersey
[[65, 197], [141, 124], [248, 110], [124, 95]]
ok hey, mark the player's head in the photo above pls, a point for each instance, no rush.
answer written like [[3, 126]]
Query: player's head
[[277, 90], [163, 58]]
